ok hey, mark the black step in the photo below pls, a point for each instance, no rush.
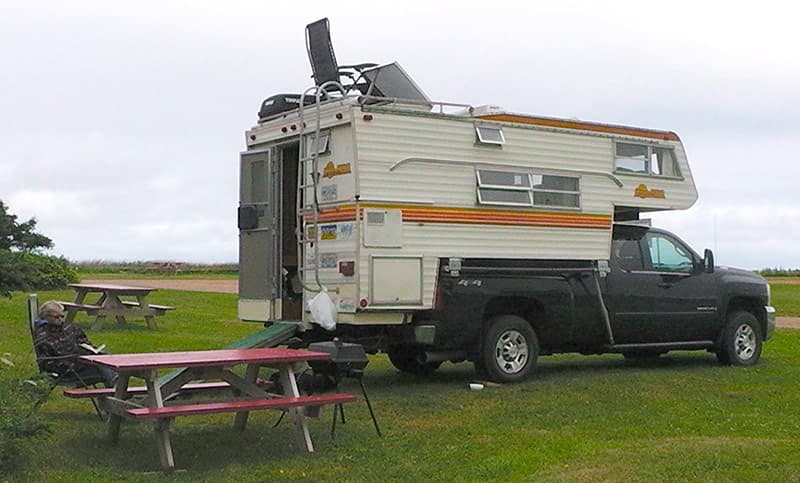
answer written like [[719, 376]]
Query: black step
[[665, 346]]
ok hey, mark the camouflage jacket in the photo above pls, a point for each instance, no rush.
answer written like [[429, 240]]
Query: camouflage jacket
[[54, 341]]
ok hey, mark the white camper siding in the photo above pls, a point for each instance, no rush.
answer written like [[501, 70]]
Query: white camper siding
[[439, 240], [417, 143]]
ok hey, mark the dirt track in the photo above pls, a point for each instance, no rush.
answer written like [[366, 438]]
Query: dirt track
[[232, 286], [219, 286]]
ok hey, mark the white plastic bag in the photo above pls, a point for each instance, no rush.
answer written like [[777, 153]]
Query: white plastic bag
[[323, 310]]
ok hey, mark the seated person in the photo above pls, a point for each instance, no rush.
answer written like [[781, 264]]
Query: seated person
[[53, 338]]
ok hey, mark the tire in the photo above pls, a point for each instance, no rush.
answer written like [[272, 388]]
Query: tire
[[510, 349], [741, 341], [405, 360]]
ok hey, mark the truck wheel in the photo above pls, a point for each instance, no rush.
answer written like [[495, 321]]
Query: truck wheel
[[510, 349], [405, 360], [741, 340]]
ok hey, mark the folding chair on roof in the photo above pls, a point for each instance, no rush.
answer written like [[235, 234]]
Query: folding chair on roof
[[69, 377]]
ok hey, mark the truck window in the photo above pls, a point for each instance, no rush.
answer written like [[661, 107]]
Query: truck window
[[628, 255], [667, 255]]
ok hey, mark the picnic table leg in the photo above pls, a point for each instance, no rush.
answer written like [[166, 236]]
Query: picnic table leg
[[112, 301], [161, 426], [114, 420], [98, 322], [80, 294], [151, 321], [250, 375], [290, 389]]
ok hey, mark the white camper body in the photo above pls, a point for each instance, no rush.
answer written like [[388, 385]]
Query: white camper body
[[400, 188]]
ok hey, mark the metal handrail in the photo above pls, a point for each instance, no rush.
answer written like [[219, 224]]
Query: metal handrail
[[299, 201]]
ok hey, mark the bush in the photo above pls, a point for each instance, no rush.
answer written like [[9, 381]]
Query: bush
[[31, 271], [19, 421]]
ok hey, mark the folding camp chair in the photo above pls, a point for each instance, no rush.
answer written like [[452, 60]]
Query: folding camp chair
[[69, 377]]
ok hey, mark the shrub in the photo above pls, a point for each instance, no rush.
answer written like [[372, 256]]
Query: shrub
[[19, 400], [31, 271]]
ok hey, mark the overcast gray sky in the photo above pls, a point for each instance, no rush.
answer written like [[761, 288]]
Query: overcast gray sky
[[121, 123]]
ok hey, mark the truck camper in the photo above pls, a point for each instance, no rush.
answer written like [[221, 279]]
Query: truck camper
[[444, 232]]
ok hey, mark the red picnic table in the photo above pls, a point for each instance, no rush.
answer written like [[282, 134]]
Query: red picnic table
[[111, 302], [205, 365]]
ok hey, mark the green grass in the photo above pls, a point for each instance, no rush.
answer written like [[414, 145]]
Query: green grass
[[786, 298], [599, 418]]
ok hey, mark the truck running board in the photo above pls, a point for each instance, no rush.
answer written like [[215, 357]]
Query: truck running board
[[659, 346]]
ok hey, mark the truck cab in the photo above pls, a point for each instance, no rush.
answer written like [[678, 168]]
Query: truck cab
[[659, 290]]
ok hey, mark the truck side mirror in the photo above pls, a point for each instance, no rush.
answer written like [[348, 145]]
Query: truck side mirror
[[708, 261]]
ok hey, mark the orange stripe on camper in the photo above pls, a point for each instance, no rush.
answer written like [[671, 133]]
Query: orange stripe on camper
[[582, 125], [475, 216]]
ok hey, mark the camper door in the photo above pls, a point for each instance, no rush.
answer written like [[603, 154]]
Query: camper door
[[259, 240]]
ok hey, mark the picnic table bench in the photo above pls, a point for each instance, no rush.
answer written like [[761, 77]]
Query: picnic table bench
[[91, 392], [160, 309], [280, 403], [88, 308], [246, 395]]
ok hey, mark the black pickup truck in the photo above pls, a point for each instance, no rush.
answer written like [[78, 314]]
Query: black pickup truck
[[654, 295]]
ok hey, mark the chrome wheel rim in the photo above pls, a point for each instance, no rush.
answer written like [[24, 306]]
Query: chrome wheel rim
[[745, 342], [511, 351]]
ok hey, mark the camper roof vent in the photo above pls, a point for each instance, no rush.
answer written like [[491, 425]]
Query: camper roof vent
[[486, 110]]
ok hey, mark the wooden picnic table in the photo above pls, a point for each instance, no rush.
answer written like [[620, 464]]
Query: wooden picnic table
[[111, 303], [206, 365]]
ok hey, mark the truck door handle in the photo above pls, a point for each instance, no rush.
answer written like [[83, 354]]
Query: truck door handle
[[665, 285]]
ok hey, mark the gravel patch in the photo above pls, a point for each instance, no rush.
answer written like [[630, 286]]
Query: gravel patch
[[218, 286]]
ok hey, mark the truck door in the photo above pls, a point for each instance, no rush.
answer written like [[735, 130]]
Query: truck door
[[259, 243], [656, 291]]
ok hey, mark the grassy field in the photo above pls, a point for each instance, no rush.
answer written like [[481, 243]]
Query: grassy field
[[786, 297], [599, 418]]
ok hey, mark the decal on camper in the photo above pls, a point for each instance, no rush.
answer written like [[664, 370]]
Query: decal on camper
[[641, 191], [332, 170]]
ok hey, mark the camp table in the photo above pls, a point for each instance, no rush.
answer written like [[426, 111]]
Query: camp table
[[111, 302], [208, 365]]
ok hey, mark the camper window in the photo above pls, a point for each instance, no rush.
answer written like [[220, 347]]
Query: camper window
[[504, 179], [313, 144], [525, 189], [490, 135], [662, 162], [561, 191], [645, 159]]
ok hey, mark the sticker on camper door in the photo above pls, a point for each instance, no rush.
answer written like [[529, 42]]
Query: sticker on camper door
[[328, 232], [328, 260], [329, 192], [345, 231]]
